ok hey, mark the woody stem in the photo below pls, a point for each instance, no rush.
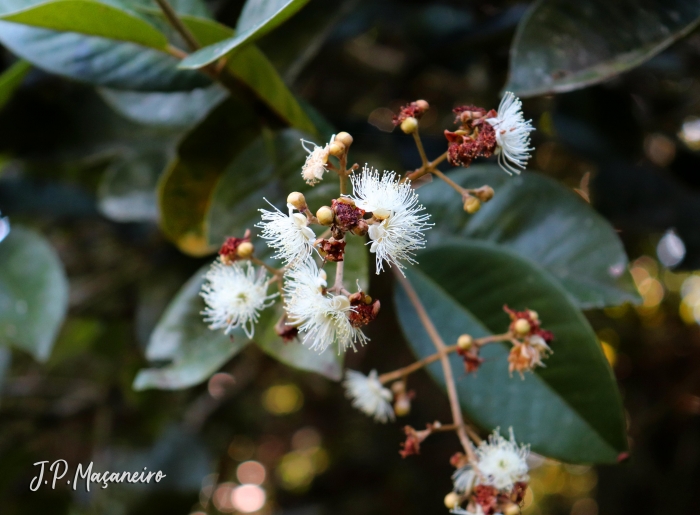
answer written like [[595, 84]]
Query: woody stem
[[449, 181], [274, 271], [426, 168], [444, 360], [338, 286], [421, 150], [177, 24]]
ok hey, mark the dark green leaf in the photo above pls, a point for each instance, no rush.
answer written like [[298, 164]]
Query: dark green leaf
[[180, 109], [562, 46], [185, 190], [570, 410], [543, 222], [257, 19], [91, 19], [11, 79], [33, 293], [182, 336]]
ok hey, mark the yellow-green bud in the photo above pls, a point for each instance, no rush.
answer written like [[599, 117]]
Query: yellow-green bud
[[297, 200], [472, 205], [422, 105], [336, 149], [534, 314], [344, 138], [522, 327], [409, 125], [465, 342], [325, 215], [245, 250], [485, 193], [451, 501], [402, 407]]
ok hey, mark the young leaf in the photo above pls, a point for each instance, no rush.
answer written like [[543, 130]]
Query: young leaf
[[257, 19], [570, 410], [544, 222], [11, 79], [33, 293], [561, 45], [90, 18], [182, 336]]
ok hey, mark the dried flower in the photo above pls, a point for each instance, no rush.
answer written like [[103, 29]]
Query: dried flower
[[316, 162]]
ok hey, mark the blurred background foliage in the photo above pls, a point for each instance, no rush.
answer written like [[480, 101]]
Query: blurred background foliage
[[83, 166]]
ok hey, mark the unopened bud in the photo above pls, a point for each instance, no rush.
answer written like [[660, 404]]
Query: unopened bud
[[521, 327], [344, 138], [399, 387], [422, 105], [485, 193], [465, 341], [361, 228], [534, 315], [472, 204], [297, 200], [511, 509], [409, 125], [245, 250], [402, 406], [337, 149], [451, 501], [325, 215]]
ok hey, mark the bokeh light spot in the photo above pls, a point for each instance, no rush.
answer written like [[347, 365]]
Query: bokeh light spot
[[248, 498], [283, 399], [251, 472]]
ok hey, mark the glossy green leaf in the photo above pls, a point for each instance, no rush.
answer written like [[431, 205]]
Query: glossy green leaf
[[570, 410], [542, 221], [561, 45], [185, 189], [11, 79], [90, 18], [182, 337], [180, 109], [99, 61], [257, 19], [33, 293]]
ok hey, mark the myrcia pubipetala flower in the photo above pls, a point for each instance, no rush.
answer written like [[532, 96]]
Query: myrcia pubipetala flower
[[290, 235], [512, 134], [316, 162], [502, 463], [399, 227], [369, 395], [234, 295], [323, 319]]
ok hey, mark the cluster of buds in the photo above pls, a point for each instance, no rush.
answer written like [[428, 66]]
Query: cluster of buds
[[409, 115], [474, 138], [530, 341]]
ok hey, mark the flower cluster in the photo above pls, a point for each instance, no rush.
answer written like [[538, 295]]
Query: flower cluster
[[530, 341]]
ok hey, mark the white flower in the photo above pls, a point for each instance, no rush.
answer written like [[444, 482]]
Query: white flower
[[464, 479], [400, 232], [369, 395], [512, 134], [316, 162], [234, 294], [323, 319], [501, 462], [290, 235]]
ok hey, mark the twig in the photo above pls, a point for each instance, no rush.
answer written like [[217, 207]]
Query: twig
[[177, 24], [421, 150], [444, 360], [449, 181]]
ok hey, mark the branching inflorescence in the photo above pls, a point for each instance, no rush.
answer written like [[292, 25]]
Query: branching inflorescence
[[491, 476]]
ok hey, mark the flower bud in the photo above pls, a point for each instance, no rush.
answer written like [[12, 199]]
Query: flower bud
[[534, 315], [399, 387], [245, 250], [451, 501], [485, 193], [344, 138], [336, 149], [422, 105], [511, 509], [465, 341], [402, 406], [472, 204], [409, 125], [325, 215], [521, 327], [297, 200]]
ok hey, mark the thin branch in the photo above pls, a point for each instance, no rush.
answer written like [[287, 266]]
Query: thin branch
[[449, 181], [444, 360], [421, 150], [338, 286], [177, 24]]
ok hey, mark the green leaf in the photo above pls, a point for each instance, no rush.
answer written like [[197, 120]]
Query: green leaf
[[90, 18], [570, 410], [329, 364], [11, 79], [257, 19], [99, 61], [180, 109], [562, 46], [185, 189], [544, 222], [33, 293], [195, 351]]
